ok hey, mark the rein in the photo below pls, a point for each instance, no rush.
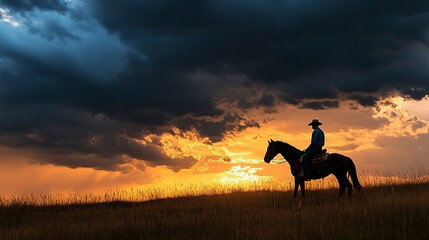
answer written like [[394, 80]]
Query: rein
[[278, 161]]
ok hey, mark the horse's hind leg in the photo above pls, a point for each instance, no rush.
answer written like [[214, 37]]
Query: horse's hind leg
[[349, 187], [342, 183]]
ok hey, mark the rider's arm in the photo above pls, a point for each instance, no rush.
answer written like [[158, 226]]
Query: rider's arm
[[314, 138]]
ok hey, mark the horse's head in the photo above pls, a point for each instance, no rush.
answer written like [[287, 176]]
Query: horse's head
[[272, 151]]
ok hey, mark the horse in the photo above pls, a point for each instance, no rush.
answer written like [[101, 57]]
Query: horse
[[336, 164]]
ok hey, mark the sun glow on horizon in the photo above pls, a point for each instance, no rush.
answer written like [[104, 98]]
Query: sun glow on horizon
[[238, 158], [242, 174]]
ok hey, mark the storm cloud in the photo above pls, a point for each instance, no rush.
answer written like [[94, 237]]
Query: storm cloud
[[83, 80], [28, 5]]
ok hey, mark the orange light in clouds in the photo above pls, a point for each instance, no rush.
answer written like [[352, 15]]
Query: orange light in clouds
[[417, 108], [237, 159]]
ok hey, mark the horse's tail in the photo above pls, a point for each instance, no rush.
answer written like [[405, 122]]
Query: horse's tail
[[353, 175]]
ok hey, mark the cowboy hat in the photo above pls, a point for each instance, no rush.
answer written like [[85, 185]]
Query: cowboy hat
[[315, 122]]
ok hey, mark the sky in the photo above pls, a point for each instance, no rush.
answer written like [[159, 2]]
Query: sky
[[97, 95]]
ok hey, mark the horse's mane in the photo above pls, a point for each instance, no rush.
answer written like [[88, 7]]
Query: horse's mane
[[289, 148]]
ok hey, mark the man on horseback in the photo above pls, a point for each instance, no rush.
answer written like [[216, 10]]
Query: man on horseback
[[317, 142]]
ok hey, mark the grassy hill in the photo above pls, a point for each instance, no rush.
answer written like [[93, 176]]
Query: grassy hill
[[385, 212]]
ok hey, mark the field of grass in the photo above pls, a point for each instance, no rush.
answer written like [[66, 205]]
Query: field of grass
[[396, 211]]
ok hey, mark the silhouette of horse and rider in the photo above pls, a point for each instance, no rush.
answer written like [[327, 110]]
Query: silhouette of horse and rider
[[315, 163]]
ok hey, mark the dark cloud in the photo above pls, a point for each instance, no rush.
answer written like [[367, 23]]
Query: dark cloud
[[266, 101], [309, 50], [148, 65], [78, 139], [364, 99], [50, 28], [27, 5], [320, 105], [215, 129]]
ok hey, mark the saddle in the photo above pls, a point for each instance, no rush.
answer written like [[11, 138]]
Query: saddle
[[319, 157]]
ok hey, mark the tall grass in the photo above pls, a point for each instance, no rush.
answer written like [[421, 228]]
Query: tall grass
[[140, 194], [381, 212]]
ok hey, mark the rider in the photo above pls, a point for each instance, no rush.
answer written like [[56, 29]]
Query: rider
[[317, 142]]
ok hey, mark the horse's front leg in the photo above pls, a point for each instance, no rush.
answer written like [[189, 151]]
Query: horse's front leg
[[302, 185], [295, 190], [299, 183]]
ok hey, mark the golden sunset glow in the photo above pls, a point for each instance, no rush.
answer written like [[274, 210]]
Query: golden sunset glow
[[238, 158], [219, 119], [241, 175], [95, 98]]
